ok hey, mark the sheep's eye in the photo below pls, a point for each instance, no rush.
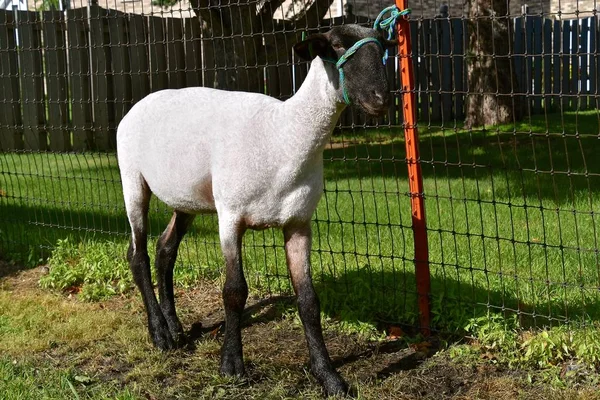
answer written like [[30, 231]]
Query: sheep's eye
[[337, 46]]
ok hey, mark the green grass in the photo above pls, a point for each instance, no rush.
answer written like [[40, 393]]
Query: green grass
[[23, 380], [509, 229], [32, 326], [57, 347]]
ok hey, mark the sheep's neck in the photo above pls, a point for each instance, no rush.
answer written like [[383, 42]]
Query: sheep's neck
[[315, 108]]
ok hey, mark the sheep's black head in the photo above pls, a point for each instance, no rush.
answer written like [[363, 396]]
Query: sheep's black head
[[365, 81]]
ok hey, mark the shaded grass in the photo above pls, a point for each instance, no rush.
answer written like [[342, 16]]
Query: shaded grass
[[511, 215]]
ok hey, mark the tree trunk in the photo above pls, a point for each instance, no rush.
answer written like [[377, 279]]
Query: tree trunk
[[239, 41], [490, 72]]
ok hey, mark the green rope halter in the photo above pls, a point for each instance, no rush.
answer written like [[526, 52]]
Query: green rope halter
[[387, 25], [340, 63]]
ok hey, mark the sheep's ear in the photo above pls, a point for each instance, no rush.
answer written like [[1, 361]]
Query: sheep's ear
[[315, 45]]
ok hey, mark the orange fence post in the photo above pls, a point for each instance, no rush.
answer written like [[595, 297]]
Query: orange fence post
[[415, 177]]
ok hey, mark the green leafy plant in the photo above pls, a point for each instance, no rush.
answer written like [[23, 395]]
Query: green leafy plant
[[95, 270], [49, 5], [576, 344]]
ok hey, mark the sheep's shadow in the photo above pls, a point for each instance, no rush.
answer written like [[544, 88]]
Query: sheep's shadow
[[406, 359], [273, 308], [269, 309]]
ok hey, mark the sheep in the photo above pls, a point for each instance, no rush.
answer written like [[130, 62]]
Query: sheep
[[258, 163]]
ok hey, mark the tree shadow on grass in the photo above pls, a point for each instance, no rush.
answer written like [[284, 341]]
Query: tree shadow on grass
[[545, 166], [356, 295], [391, 300], [29, 234]]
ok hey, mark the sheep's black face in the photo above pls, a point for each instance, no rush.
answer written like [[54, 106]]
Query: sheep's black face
[[364, 73]]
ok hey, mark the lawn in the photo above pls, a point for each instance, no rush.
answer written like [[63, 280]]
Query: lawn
[[511, 217], [510, 213]]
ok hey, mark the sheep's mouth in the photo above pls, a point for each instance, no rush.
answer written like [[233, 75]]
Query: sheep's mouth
[[373, 111]]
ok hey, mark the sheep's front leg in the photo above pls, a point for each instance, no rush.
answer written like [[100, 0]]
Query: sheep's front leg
[[139, 263], [297, 250], [235, 293]]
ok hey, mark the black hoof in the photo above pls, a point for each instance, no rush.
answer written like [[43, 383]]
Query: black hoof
[[232, 365], [162, 338], [334, 384], [176, 331]]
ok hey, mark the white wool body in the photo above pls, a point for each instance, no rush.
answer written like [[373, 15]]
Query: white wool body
[[249, 157]]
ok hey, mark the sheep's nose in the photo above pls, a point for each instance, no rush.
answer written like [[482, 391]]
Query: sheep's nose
[[380, 98]]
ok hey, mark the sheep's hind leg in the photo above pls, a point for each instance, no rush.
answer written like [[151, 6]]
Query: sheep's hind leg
[[166, 254], [137, 199], [297, 251], [235, 293]]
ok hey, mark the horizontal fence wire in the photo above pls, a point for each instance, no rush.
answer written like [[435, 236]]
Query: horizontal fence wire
[[506, 103]]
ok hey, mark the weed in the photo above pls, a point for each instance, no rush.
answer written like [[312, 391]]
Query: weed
[[500, 337], [95, 270]]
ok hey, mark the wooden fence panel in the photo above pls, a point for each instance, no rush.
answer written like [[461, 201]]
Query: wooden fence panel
[[11, 134], [556, 64], [138, 57], [272, 81], [537, 65], [424, 70], [79, 79], [574, 99], [209, 72], [285, 79], [459, 70], [104, 128], [583, 64], [519, 57], [193, 52], [566, 65], [55, 57], [528, 65], [594, 63], [32, 84], [435, 77], [175, 53], [415, 42], [446, 69], [547, 64], [121, 70], [159, 79]]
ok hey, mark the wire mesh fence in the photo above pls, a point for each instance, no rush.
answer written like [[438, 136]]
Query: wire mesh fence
[[507, 115]]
